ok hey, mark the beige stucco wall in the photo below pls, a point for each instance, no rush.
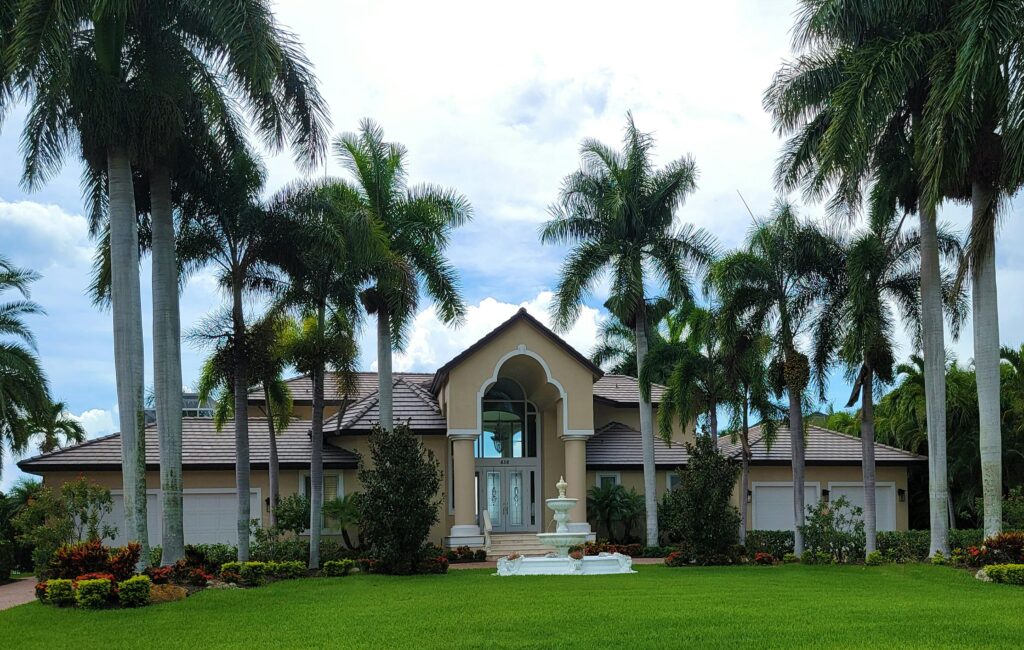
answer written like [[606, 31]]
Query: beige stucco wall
[[466, 379]]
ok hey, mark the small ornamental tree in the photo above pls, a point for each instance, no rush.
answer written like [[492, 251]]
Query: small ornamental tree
[[399, 502], [697, 514]]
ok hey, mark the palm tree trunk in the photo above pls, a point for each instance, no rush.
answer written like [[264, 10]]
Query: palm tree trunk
[[713, 421], [646, 430], [126, 305], [934, 352], [240, 386], [986, 356], [273, 466], [384, 379], [316, 457], [796, 446], [167, 364], [867, 441], [745, 470]]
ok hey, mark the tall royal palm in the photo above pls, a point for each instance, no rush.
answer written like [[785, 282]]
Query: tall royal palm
[[112, 81], [327, 247], [54, 427], [853, 103], [859, 323], [975, 133], [24, 391], [619, 213], [775, 285], [418, 222]]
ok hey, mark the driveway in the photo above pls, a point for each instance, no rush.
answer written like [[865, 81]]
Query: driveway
[[17, 593]]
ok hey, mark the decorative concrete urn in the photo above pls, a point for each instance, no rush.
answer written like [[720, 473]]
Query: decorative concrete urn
[[559, 562]]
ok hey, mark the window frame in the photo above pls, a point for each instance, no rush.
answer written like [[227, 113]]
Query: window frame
[[616, 476], [340, 476]]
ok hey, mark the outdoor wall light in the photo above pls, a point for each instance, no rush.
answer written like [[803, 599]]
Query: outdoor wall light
[[902, 495], [267, 500], [750, 496], [824, 495]]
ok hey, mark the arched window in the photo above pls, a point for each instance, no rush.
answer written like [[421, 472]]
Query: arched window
[[509, 423]]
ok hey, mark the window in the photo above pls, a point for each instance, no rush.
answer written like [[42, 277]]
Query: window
[[672, 480], [334, 487], [608, 479], [509, 423]]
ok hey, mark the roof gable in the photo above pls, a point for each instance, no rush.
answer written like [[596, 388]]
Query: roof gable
[[412, 403], [520, 316]]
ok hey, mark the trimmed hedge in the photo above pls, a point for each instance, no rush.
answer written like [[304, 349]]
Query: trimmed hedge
[[913, 545], [1011, 574], [776, 543], [94, 594], [134, 592], [286, 570], [60, 592], [338, 568]]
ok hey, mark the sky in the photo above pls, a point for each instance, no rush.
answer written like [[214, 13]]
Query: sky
[[494, 103]]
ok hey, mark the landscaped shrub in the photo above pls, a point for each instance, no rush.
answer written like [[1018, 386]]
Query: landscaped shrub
[[698, 513], [134, 592], [437, 564], [775, 542], [904, 546], [1006, 548], [73, 560], [1012, 574], [123, 560], [338, 568], [874, 558], [835, 529], [976, 556], [41, 591], [213, 555], [253, 573], [286, 570], [184, 574], [480, 555], [6, 559], [764, 558], [677, 559], [939, 559], [159, 575], [817, 557], [401, 479], [231, 572], [94, 594], [964, 537], [60, 592], [615, 511], [790, 558], [292, 513], [370, 565]]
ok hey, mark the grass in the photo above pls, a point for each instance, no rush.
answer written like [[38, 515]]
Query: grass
[[845, 606]]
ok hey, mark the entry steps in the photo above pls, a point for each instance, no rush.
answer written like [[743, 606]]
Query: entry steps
[[526, 544]]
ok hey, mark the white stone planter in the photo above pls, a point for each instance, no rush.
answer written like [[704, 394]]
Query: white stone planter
[[603, 564]]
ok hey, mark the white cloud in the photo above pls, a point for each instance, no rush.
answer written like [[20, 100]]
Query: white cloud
[[46, 233], [432, 343]]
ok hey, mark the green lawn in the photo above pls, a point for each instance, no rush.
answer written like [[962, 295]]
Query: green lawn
[[894, 606]]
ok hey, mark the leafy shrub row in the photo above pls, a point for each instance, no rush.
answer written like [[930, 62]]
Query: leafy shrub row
[[1012, 574], [338, 568], [72, 560], [95, 591], [913, 545], [253, 574], [462, 554]]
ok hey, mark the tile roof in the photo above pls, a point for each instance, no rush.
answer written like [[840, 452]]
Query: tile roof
[[619, 445], [623, 389], [824, 447], [413, 403], [203, 447], [365, 383]]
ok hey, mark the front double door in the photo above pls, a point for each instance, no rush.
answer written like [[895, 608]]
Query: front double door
[[508, 496]]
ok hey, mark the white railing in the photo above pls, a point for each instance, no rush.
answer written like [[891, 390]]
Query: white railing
[[487, 529]]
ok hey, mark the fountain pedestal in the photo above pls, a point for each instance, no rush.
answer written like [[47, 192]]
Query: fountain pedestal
[[559, 562]]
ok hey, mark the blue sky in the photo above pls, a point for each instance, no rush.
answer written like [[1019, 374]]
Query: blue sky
[[493, 103]]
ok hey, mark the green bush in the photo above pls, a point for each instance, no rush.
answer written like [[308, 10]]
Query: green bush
[[775, 542], [231, 572], [817, 557], [966, 537], [1012, 574], [613, 510], [913, 545], [286, 570], [134, 592], [292, 514], [698, 514], [217, 554], [6, 559], [401, 480], [874, 558], [60, 592], [338, 568], [1006, 548], [790, 558], [834, 528], [93, 594], [253, 573], [939, 559]]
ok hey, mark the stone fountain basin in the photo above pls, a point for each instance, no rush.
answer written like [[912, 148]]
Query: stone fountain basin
[[563, 540], [603, 564]]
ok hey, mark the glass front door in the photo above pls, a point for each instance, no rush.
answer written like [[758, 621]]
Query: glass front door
[[508, 497]]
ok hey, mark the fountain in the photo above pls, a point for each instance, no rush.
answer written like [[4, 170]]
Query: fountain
[[560, 562]]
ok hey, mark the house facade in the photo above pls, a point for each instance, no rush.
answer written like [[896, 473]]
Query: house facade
[[505, 418]]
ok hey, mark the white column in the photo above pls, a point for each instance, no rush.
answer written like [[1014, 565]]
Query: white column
[[465, 532], [576, 478]]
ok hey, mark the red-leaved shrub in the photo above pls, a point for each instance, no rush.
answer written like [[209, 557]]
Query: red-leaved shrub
[[1006, 548], [123, 561], [73, 560]]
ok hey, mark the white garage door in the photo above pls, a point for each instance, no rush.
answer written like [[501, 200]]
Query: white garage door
[[773, 504], [885, 501], [209, 516]]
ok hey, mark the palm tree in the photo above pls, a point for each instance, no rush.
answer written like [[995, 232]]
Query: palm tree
[[853, 102], [267, 339], [858, 324], [774, 286], [417, 222], [229, 228], [24, 392], [619, 212], [697, 384], [56, 427], [327, 248], [974, 133], [616, 342], [115, 82]]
